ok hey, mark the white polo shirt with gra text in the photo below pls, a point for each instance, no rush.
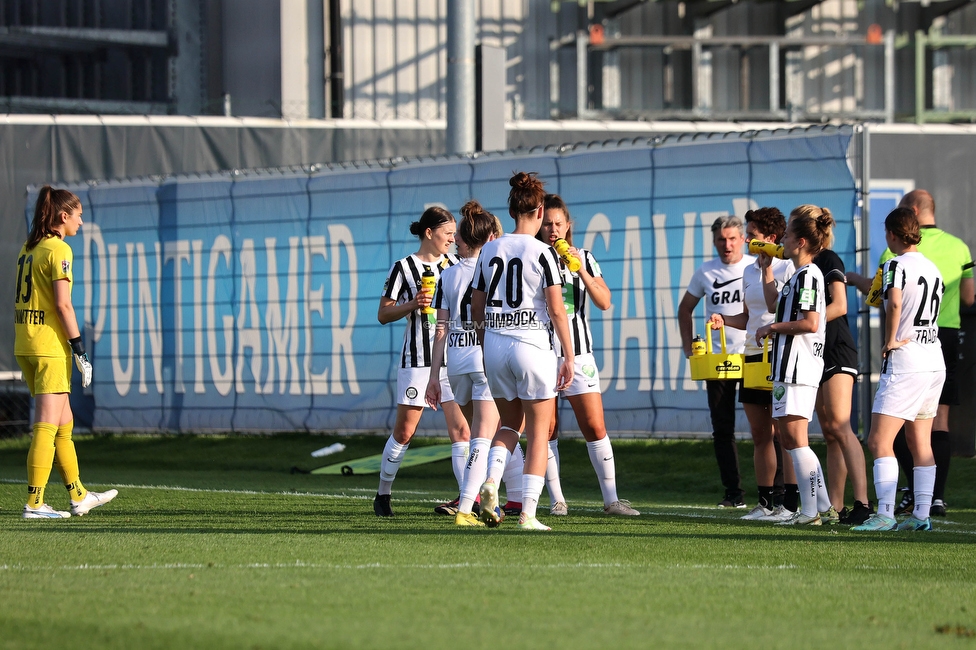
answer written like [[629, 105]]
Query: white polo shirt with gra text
[[721, 287]]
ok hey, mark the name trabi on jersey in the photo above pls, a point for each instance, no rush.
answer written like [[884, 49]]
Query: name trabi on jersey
[[927, 335]]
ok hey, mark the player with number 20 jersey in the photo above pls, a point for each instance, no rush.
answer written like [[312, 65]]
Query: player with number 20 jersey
[[514, 271]]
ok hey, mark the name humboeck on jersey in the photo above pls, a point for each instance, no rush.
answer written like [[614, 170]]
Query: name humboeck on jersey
[[514, 319]]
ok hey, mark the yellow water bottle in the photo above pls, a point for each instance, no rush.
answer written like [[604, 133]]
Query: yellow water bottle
[[428, 282], [697, 346], [874, 295], [770, 248], [571, 261]]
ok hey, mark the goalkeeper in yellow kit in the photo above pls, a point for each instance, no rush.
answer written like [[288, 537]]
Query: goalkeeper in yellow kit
[[47, 337]]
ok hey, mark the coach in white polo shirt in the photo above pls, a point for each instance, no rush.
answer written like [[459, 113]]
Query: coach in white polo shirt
[[719, 281]]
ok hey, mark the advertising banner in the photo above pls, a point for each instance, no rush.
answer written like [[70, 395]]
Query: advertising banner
[[247, 301]]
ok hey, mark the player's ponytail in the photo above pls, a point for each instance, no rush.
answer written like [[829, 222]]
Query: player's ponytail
[[814, 224], [526, 194], [432, 218], [902, 223], [477, 224], [47, 214]]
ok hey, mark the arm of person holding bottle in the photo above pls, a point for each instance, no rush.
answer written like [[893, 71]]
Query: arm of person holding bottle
[[596, 287], [390, 311]]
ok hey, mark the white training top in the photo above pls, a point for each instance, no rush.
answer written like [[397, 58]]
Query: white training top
[[514, 271], [798, 358], [454, 294], [921, 296], [402, 284], [755, 299], [721, 285], [577, 305]]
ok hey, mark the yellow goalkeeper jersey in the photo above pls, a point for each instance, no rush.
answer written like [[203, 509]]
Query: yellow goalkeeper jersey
[[38, 329]]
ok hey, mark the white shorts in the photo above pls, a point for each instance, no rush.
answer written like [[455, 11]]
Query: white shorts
[[412, 386], [470, 386], [516, 369], [586, 377], [794, 399], [910, 396]]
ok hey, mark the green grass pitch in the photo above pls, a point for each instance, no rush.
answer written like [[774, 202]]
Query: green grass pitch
[[213, 543]]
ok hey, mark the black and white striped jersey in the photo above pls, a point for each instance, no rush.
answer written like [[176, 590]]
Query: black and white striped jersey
[[798, 358], [454, 294], [577, 305], [402, 285], [921, 299], [514, 272]]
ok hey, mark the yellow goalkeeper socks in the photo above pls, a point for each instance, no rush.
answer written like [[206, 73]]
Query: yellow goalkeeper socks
[[40, 458], [67, 461]]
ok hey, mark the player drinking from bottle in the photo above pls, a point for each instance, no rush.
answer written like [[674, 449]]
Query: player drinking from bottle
[[583, 284]]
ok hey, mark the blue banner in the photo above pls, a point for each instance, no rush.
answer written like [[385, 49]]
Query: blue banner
[[247, 301]]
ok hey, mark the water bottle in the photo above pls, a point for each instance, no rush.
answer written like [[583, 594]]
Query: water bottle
[[571, 261], [698, 346], [874, 295], [428, 282], [768, 247]]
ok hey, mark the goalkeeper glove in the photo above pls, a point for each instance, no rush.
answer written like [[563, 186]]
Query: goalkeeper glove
[[81, 360]]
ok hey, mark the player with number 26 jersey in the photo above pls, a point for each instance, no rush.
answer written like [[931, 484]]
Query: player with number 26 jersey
[[919, 314]]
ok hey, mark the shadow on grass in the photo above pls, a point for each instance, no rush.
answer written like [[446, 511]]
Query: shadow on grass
[[369, 525]]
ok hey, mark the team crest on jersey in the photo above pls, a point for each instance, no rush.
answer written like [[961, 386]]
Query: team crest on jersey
[[65, 265], [411, 393], [786, 290], [589, 370]]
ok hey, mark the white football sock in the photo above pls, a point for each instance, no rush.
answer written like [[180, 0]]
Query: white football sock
[[886, 484], [806, 465], [531, 489], [513, 475], [924, 486], [392, 456], [475, 473], [601, 456], [459, 456], [823, 497], [552, 475], [498, 457]]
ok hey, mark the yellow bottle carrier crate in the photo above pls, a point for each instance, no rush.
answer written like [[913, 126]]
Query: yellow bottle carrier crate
[[706, 365], [758, 374]]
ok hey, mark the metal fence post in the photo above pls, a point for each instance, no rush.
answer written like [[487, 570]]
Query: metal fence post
[[919, 76], [582, 41], [889, 76]]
